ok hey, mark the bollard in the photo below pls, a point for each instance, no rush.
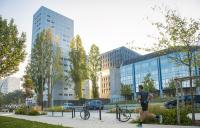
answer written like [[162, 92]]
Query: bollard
[[52, 113], [72, 113], [116, 111], [119, 115], [100, 112], [62, 112]]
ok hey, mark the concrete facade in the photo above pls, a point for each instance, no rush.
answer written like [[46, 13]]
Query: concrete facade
[[109, 80], [62, 30]]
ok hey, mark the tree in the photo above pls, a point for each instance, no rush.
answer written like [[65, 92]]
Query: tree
[[15, 97], [12, 47], [94, 67], [180, 35], [57, 70], [28, 84], [125, 91], [171, 88], [40, 65], [1, 99], [148, 83], [78, 70]]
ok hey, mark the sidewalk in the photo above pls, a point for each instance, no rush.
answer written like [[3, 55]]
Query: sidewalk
[[108, 121]]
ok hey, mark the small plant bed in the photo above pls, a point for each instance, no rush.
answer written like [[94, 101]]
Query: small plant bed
[[24, 110], [58, 109], [9, 122], [169, 116]]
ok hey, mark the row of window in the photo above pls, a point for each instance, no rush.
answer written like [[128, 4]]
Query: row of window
[[105, 91], [65, 94]]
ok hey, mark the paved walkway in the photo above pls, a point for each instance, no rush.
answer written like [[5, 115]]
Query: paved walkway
[[108, 121]]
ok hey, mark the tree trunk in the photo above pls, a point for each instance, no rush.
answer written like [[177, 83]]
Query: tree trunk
[[191, 89], [94, 88], [49, 92], [42, 90], [52, 103], [177, 106], [78, 89]]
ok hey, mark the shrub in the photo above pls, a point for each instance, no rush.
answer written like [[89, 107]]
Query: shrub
[[23, 110], [55, 109], [169, 116], [33, 112]]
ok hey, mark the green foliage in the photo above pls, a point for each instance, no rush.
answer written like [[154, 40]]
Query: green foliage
[[55, 109], [57, 71], [57, 66], [12, 47], [93, 67], [41, 55], [78, 69], [1, 99], [197, 82], [180, 36], [33, 112], [125, 90], [9, 122], [28, 84], [25, 110], [15, 97], [171, 88], [148, 83], [169, 116]]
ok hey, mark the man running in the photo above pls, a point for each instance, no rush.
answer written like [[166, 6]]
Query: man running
[[143, 99]]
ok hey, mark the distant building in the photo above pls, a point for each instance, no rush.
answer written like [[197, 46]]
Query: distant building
[[63, 31], [9, 84], [109, 79]]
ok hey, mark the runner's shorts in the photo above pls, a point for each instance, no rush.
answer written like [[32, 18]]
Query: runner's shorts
[[144, 106]]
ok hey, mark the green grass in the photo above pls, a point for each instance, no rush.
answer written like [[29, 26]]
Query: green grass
[[9, 122]]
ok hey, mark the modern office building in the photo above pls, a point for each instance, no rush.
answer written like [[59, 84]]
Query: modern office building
[[109, 79], [161, 68], [62, 30], [9, 84]]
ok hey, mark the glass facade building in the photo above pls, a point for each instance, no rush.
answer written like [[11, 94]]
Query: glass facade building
[[161, 68]]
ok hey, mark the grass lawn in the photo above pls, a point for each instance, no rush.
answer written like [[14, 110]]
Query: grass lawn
[[9, 122]]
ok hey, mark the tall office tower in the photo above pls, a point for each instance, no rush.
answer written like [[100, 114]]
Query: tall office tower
[[62, 30]]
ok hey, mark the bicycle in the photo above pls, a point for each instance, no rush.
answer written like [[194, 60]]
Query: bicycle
[[85, 114], [123, 115]]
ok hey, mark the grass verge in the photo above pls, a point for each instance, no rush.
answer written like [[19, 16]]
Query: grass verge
[[9, 122]]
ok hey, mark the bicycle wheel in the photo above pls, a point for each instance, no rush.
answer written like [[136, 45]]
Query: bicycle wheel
[[125, 115], [85, 114]]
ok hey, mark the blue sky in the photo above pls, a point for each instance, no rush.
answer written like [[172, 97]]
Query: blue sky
[[107, 23]]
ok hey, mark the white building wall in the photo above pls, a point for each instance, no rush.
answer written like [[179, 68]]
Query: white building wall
[[63, 31], [10, 84]]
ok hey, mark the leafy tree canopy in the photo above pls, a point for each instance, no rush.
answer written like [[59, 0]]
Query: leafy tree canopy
[[12, 47]]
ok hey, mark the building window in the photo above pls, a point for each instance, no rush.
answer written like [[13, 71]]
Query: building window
[[65, 88], [65, 94], [60, 94]]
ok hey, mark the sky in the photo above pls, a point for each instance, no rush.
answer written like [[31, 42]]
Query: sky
[[107, 23]]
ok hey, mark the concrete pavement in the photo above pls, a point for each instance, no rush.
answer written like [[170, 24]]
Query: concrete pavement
[[108, 121]]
